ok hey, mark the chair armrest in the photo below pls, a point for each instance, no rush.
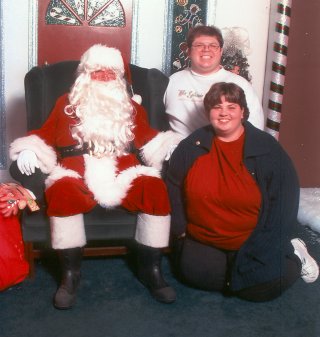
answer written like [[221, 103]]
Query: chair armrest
[[34, 182]]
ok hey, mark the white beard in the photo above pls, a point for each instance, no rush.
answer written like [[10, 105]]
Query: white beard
[[106, 116]]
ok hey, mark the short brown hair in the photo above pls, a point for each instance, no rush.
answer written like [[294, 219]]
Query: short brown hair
[[197, 31], [232, 93]]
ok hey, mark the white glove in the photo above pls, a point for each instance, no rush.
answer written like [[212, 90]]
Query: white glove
[[27, 162]]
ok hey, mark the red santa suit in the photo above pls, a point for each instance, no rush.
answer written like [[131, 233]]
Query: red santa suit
[[77, 180]]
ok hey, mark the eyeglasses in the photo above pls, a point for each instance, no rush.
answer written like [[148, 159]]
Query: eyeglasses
[[210, 46]]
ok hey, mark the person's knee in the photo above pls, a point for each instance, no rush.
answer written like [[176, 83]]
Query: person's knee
[[148, 195], [203, 279], [261, 292], [156, 197], [69, 196], [154, 188], [66, 185], [201, 266]]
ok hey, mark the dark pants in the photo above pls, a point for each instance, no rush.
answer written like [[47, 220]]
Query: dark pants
[[208, 268]]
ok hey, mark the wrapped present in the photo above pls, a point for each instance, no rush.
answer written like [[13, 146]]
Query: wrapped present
[[13, 266], [14, 197]]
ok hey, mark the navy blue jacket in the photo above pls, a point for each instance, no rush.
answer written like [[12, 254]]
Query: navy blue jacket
[[261, 258]]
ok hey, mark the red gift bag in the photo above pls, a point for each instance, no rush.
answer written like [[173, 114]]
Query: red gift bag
[[13, 266]]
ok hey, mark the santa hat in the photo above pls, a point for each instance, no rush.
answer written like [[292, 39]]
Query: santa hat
[[100, 56]]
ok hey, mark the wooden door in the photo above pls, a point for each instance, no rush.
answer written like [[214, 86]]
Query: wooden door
[[67, 28]]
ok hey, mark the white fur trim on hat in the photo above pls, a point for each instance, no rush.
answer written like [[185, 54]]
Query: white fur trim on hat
[[99, 56], [46, 155], [153, 230], [155, 151], [109, 187], [67, 232]]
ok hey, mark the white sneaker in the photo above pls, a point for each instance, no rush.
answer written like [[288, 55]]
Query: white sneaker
[[310, 268]]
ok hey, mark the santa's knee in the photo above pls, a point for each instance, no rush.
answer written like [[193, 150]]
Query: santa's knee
[[148, 195], [68, 196], [156, 193]]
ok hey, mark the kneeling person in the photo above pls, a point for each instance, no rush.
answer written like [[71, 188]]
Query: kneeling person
[[234, 196]]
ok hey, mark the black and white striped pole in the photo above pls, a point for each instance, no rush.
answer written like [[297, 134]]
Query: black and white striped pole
[[279, 62]]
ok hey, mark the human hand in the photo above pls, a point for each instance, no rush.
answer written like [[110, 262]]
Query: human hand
[[27, 162]]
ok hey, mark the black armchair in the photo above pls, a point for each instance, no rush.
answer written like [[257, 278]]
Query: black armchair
[[108, 232]]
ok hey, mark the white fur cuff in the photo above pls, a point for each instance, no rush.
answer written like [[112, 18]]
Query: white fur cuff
[[67, 232], [153, 230], [155, 151], [60, 172], [46, 154]]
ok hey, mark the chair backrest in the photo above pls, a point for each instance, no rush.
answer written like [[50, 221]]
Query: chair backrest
[[44, 84]]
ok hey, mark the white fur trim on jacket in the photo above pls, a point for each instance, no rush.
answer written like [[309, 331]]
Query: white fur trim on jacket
[[46, 155], [60, 172], [155, 151], [67, 232], [153, 230], [109, 187]]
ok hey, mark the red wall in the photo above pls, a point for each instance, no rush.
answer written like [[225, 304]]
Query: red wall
[[299, 131], [69, 42]]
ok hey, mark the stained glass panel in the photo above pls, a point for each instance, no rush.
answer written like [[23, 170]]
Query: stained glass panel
[[186, 14], [101, 13], [59, 14]]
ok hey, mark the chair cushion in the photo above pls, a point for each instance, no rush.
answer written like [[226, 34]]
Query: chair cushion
[[99, 224]]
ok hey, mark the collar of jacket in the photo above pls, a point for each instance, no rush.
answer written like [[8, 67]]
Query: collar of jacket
[[257, 142]]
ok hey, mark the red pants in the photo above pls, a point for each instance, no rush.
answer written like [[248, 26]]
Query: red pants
[[69, 196]]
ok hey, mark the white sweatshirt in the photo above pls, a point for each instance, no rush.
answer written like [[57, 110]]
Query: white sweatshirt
[[184, 99]]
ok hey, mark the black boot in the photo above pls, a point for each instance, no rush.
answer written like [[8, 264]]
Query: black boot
[[150, 275], [70, 261]]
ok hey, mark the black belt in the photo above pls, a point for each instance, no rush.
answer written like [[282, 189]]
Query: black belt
[[73, 150]]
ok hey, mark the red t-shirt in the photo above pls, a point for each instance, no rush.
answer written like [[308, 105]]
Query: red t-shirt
[[222, 198]]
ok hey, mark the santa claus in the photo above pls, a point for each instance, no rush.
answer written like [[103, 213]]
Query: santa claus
[[85, 148]]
